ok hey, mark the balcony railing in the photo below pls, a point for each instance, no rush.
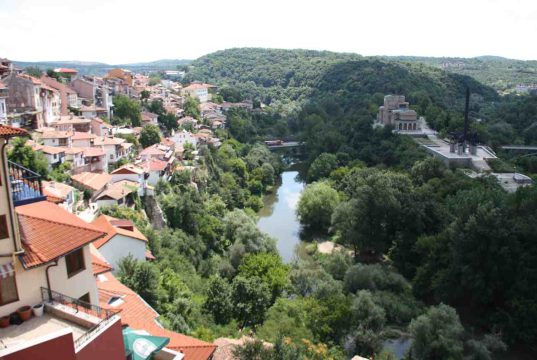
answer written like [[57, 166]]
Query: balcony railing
[[78, 306], [26, 185]]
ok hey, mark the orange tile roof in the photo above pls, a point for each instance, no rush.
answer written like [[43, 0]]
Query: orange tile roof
[[98, 262], [94, 181], [49, 232], [128, 169], [137, 314], [93, 151], [78, 135], [9, 131], [149, 255], [119, 190], [104, 224], [56, 189], [153, 165], [66, 71], [108, 141], [56, 134]]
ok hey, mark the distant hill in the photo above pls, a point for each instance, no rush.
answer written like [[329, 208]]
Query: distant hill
[[97, 68], [297, 75], [495, 71]]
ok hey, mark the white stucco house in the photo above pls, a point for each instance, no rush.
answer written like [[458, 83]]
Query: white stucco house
[[122, 238], [180, 138]]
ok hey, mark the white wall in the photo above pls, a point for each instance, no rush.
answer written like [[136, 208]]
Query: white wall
[[153, 178], [139, 178], [77, 285], [29, 283], [120, 246]]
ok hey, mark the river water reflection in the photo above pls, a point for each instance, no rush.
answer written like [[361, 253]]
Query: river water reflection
[[278, 218]]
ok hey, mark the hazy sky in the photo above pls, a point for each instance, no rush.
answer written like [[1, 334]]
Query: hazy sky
[[120, 31]]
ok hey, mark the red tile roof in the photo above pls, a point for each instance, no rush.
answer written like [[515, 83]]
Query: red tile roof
[[55, 134], [66, 71], [9, 131], [91, 180], [98, 262], [93, 151], [49, 232], [128, 169], [153, 165], [56, 191], [137, 314], [149, 255], [78, 135], [104, 224]]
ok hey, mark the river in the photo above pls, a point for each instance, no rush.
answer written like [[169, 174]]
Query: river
[[278, 218]]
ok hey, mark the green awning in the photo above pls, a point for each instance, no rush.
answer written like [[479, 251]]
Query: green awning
[[140, 345]]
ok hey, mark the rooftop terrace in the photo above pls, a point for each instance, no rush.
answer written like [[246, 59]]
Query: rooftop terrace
[[61, 312]]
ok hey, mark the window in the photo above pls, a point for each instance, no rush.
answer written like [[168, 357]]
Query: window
[[85, 298], [4, 233], [75, 263], [8, 290]]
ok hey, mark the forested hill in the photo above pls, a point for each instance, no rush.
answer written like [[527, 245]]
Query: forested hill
[[289, 79], [276, 74], [270, 74], [352, 83], [498, 72]]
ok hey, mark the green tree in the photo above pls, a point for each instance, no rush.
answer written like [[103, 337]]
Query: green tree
[[34, 71], [372, 216], [252, 350], [127, 109], [145, 281], [366, 313], [149, 135], [168, 121], [61, 173], [218, 301], [437, 334], [269, 268], [191, 107], [322, 166], [24, 155], [251, 299], [316, 206], [144, 95]]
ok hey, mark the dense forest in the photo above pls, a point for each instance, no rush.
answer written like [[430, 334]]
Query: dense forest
[[433, 254], [497, 72]]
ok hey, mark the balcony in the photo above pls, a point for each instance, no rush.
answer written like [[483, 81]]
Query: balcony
[[62, 313], [26, 185]]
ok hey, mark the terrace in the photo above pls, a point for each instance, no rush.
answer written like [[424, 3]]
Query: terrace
[[26, 187], [85, 321]]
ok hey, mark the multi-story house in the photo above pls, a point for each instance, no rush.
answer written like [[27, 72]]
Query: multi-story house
[[68, 96], [50, 98], [60, 194], [72, 123], [57, 138], [182, 137], [198, 91], [24, 98], [122, 239], [112, 146], [45, 262]]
